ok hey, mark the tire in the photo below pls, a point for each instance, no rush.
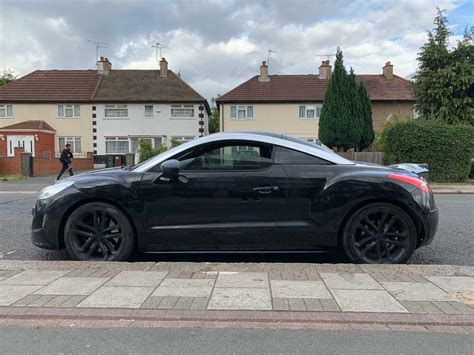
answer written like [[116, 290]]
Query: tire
[[98, 231], [380, 233]]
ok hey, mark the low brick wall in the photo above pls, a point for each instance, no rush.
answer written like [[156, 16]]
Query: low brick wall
[[49, 164], [11, 165]]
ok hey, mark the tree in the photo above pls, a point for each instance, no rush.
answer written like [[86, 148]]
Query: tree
[[146, 150], [368, 134], [341, 122], [444, 82], [214, 119], [6, 77]]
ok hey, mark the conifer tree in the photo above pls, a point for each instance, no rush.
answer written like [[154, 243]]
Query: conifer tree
[[368, 134]]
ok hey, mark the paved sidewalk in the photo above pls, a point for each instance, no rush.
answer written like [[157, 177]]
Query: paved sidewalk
[[445, 188], [443, 294]]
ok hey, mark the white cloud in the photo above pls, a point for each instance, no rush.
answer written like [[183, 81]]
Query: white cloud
[[217, 44]]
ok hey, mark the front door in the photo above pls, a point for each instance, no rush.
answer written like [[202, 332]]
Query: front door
[[26, 142], [228, 197]]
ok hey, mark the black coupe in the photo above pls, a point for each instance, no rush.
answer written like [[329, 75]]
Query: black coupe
[[239, 192]]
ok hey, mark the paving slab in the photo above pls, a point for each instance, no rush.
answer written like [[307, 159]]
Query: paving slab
[[137, 278], [241, 298], [453, 283], [10, 294], [299, 289], [242, 279], [117, 297], [33, 277], [343, 281], [73, 286], [185, 288], [367, 301], [416, 291]]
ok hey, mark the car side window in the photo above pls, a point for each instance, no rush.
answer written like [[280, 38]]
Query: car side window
[[292, 157], [228, 157]]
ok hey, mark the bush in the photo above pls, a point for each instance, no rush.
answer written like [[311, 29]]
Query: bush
[[146, 150], [447, 149]]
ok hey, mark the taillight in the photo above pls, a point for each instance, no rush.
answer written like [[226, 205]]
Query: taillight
[[417, 182]]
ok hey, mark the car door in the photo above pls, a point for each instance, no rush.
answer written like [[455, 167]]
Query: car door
[[304, 221], [228, 197]]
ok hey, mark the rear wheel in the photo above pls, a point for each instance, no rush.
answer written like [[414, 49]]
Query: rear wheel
[[98, 231], [380, 233]]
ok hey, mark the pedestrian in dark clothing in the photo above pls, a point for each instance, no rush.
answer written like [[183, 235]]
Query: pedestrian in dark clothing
[[66, 161]]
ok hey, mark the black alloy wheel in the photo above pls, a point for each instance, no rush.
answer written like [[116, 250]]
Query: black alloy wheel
[[380, 234], [98, 232]]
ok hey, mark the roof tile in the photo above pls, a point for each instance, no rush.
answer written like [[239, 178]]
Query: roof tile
[[33, 125]]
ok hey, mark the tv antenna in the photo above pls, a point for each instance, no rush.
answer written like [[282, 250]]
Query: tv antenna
[[268, 56], [98, 45], [326, 55], [158, 47]]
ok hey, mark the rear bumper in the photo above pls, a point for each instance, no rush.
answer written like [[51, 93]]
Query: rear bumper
[[430, 226]]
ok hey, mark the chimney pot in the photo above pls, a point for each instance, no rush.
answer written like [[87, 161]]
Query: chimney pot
[[264, 72], [325, 70], [388, 71]]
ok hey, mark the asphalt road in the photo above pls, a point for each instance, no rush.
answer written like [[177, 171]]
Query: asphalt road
[[454, 242], [217, 341]]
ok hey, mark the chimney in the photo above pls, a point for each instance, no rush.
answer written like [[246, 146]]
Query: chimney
[[103, 66], [264, 72], [325, 70], [163, 67], [388, 71]]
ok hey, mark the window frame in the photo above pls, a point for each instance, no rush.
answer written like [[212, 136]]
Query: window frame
[[71, 140], [215, 145], [316, 108], [116, 107], [152, 111], [279, 149], [234, 111], [5, 109], [61, 111], [183, 107], [117, 139]]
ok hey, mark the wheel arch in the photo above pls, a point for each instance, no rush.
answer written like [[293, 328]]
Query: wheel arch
[[416, 220], [76, 205]]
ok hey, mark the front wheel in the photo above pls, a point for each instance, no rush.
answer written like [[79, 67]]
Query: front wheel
[[98, 231], [380, 233]]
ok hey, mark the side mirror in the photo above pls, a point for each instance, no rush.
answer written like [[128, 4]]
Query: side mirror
[[170, 168]]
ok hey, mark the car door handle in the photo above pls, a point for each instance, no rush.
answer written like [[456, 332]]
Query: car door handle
[[266, 189]]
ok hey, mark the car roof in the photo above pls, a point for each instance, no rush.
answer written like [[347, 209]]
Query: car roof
[[257, 136]]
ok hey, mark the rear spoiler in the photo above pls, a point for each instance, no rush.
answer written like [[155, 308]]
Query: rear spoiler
[[419, 169]]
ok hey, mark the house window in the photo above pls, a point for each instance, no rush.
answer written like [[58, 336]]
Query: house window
[[69, 111], [75, 143], [310, 111], [241, 112], [415, 113], [6, 111], [116, 111], [182, 111], [116, 145], [177, 140], [149, 111]]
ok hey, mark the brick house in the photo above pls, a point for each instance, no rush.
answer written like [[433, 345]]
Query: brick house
[[291, 104], [36, 137]]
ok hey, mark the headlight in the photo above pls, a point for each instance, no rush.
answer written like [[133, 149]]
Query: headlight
[[54, 189]]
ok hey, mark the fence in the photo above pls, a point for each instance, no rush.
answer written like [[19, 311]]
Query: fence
[[367, 157]]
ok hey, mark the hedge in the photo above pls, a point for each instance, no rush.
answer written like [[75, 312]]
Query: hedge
[[447, 149]]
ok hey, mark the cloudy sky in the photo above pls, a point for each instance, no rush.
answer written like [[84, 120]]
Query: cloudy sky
[[217, 44]]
